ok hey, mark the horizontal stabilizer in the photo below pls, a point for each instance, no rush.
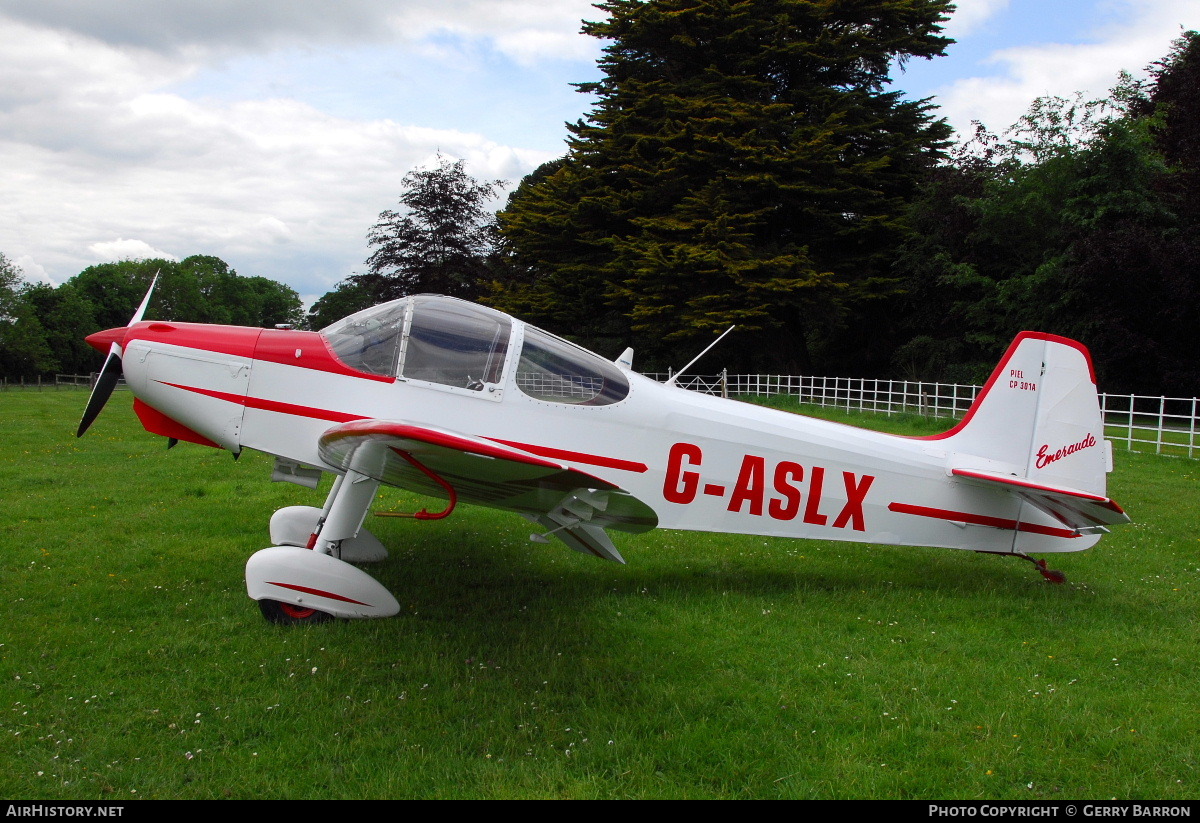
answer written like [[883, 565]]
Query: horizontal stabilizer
[[1079, 510]]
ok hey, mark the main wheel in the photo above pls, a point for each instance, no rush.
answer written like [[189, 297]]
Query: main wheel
[[289, 614]]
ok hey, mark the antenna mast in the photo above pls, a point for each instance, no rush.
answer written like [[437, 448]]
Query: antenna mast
[[677, 374]]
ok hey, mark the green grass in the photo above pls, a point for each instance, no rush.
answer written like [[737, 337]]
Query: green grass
[[132, 664], [1172, 442]]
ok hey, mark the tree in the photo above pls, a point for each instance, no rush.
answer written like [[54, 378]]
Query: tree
[[24, 351], [197, 289], [115, 289], [744, 164], [42, 328], [346, 298], [439, 242], [1170, 295], [10, 289], [1081, 221], [1173, 100], [67, 317]]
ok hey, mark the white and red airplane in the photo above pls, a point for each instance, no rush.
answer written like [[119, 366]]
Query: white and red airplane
[[454, 400]]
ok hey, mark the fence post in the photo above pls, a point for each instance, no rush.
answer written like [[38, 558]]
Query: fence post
[[1129, 444], [1162, 405], [1192, 428]]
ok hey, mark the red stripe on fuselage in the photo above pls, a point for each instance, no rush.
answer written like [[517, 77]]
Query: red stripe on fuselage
[[273, 405], [980, 520], [401, 430], [576, 457]]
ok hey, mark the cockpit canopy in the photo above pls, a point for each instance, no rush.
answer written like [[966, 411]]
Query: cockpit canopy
[[454, 343]]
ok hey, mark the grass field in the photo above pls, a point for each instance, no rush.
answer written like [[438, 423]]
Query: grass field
[[132, 664]]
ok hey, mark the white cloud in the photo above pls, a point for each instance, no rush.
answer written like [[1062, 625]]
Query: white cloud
[[970, 15], [527, 31], [122, 249], [1141, 32], [32, 272], [102, 158], [226, 26]]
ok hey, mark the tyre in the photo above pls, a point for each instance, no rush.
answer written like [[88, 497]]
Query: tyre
[[289, 614]]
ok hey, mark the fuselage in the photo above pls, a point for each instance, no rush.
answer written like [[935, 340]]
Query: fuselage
[[700, 462]]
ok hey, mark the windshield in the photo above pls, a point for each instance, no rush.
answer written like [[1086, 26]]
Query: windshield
[[370, 339]]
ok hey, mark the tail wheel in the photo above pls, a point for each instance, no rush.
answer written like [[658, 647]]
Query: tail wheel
[[1053, 575], [289, 614]]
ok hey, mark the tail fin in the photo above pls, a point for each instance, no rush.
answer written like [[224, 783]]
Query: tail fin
[[1036, 431]]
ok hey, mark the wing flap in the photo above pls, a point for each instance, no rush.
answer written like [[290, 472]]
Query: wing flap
[[1079, 510]]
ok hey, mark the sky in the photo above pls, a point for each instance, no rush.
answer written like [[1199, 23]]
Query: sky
[[272, 133]]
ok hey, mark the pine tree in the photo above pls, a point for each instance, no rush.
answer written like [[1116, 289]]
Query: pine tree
[[744, 163]]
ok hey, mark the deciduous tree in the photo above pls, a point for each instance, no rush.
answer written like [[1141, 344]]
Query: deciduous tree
[[1083, 221], [24, 351], [439, 241]]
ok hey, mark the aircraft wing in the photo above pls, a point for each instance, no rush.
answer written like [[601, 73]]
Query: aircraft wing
[[574, 505], [1079, 510]]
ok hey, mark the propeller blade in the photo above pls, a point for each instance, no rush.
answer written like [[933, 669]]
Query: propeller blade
[[105, 383], [141, 309], [111, 371]]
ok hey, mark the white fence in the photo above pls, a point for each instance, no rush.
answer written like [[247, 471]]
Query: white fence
[[43, 382], [1165, 425]]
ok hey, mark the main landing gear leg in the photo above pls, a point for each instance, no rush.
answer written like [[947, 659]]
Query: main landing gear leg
[[344, 512]]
